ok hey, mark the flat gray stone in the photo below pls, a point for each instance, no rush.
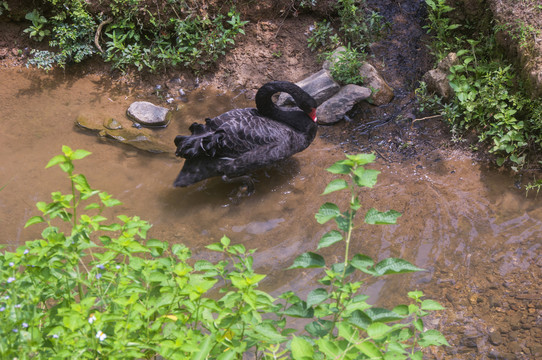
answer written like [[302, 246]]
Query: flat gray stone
[[320, 86], [148, 114], [334, 109]]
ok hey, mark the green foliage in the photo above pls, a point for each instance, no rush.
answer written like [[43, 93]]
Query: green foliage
[[440, 26], [139, 35], [345, 68], [358, 25], [534, 185], [488, 96], [3, 6], [322, 37], [90, 288], [36, 31]]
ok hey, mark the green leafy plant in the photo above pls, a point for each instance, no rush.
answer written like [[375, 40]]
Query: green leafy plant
[[90, 288], [359, 26], [36, 31], [488, 98], [3, 7], [345, 68], [322, 37], [344, 325]]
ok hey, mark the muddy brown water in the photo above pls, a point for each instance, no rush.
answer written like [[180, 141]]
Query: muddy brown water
[[468, 225]]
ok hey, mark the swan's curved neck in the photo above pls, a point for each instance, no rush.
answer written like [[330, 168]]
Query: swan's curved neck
[[300, 120]]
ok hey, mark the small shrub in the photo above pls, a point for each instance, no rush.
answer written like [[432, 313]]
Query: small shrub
[[37, 30], [346, 66]]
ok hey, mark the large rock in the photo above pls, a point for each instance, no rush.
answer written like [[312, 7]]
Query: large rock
[[437, 79], [382, 92], [334, 109], [148, 114], [320, 86]]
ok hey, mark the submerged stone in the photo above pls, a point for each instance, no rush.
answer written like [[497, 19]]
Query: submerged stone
[[143, 139], [148, 114]]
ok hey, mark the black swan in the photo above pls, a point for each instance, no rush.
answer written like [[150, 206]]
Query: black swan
[[239, 141]]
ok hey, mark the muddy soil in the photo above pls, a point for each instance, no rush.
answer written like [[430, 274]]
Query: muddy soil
[[492, 313]]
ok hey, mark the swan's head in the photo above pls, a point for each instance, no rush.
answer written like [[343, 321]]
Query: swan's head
[[312, 114]]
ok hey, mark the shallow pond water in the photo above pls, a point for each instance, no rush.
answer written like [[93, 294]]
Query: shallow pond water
[[468, 225]]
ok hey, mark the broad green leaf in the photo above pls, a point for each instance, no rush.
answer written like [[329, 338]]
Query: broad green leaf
[[394, 266], [432, 337], [363, 263], [369, 349], [431, 305], [382, 315], [375, 217], [329, 239], [205, 347], [319, 328], [394, 355], [365, 177], [360, 319], [300, 310], [329, 348], [362, 159], [340, 167], [34, 220], [301, 348], [56, 160], [271, 334], [79, 154], [378, 330], [327, 212], [317, 296], [308, 260], [335, 185]]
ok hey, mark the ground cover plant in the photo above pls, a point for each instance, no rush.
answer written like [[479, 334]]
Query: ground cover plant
[[92, 288], [134, 33], [489, 97]]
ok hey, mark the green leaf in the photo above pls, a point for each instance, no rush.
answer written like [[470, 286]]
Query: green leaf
[[394, 266], [56, 160], [301, 348], [34, 220], [79, 154], [308, 260], [378, 330], [205, 347], [363, 263], [320, 327], [329, 239], [365, 177], [360, 319], [431, 305], [340, 167], [335, 185], [327, 212], [300, 310], [369, 349], [317, 296], [329, 348], [362, 159], [375, 217], [382, 315], [432, 337]]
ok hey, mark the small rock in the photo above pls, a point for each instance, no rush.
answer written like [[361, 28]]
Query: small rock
[[320, 86], [495, 337], [148, 114], [333, 110], [382, 92]]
